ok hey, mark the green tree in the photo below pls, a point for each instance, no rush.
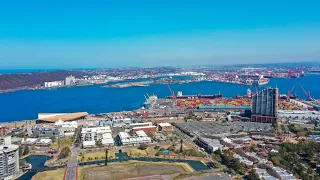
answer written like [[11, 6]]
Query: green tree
[[252, 148], [142, 146], [181, 142], [99, 143], [26, 150], [20, 151], [252, 175]]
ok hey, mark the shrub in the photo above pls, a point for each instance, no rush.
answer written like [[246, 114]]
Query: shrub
[[65, 152], [142, 146]]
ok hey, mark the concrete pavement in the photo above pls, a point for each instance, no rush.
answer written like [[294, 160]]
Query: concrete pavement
[[71, 172]]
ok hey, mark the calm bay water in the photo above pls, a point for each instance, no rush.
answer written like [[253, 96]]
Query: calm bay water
[[37, 162], [23, 105]]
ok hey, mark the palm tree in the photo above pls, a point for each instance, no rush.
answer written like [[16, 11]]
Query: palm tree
[[106, 161], [181, 146]]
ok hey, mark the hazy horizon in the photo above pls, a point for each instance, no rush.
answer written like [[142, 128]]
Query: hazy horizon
[[36, 34]]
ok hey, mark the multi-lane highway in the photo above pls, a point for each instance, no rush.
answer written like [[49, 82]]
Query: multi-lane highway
[[71, 172]]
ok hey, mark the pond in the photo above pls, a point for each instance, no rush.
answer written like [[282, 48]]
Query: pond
[[37, 162]]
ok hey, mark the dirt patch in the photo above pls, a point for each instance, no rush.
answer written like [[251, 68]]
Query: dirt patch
[[131, 169]]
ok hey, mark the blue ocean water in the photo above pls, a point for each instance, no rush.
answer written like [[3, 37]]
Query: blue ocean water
[[24, 105]]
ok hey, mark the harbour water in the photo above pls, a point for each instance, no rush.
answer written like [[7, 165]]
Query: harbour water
[[26, 104], [37, 162]]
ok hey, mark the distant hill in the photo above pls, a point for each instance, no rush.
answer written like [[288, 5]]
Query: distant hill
[[14, 81]]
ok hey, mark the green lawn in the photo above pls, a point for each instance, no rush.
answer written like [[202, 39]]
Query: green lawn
[[64, 142]]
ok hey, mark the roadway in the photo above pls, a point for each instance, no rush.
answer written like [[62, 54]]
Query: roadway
[[71, 171]]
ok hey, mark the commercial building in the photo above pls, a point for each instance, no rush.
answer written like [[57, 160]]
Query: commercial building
[[265, 106], [5, 140], [67, 128], [210, 145], [147, 129], [54, 117], [107, 140], [298, 117], [94, 133], [41, 131], [139, 138], [9, 161], [146, 124], [165, 127], [116, 122]]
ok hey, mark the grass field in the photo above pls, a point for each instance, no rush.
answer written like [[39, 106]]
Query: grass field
[[96, 155], [115, 171], [64, 142], [49, 175], [150, 151]]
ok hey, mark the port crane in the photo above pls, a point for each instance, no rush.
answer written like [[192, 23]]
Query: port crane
[[289, 92], [172, 93], [307, 93]]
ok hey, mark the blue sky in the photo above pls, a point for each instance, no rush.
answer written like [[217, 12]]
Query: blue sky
[[90, 34]]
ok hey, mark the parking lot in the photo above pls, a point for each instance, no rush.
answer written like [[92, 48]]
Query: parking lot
[[214, 128], [197, 128]]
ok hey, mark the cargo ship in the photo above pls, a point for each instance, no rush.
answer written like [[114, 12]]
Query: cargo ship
[[261, 81], [150, 101], [198, 96]]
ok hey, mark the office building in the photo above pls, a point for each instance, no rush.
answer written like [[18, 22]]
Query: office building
[[265, 106], [42, 131], [94, 133], [165, 127], [210, 145], [9, 161], [139, 138]]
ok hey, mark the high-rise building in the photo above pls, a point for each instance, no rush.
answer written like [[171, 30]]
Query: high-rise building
[[70, 80], [9, 161], [265, 106]]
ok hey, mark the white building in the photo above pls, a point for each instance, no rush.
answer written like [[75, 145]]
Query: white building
[[5, 140], [9, 161], [139, 138], [210, 145], [88, 144], [107, 140], [94, 133], [146, 124], [53, 84], [70, 80], [66, 128], [165, 127]]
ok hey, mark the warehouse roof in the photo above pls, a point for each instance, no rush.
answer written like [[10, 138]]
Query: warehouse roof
[[165, 124], [62, 117]]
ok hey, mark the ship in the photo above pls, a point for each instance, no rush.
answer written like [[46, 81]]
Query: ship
[[150, 101], [261, 81], [198, 96], [292, 96]]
